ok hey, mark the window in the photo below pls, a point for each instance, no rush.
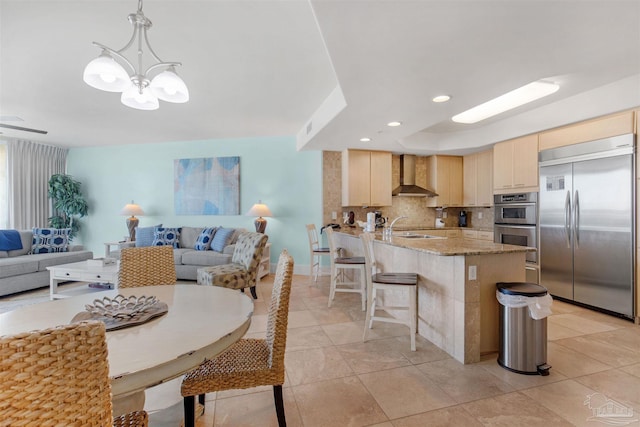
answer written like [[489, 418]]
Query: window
[[4, 189]]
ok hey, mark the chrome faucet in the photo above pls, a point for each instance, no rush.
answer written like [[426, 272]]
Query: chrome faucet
[[394, 221]]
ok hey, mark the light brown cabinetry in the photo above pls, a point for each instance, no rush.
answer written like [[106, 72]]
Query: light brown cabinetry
[[381, 180], [515, 165], [470, 234], [590, 130], [451, 233], [444, 176], [485, 235], [366, 178], [478, 179], [478, 234]]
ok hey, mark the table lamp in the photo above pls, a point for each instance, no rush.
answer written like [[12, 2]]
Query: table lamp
[[260, 210], [132, 222]]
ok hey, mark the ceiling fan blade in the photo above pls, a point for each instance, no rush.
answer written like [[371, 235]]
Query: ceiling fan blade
[[44, 132]]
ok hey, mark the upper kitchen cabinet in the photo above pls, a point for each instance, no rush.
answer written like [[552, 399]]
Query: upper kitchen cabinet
[[515, 165], [590, 130], [444, 176], [366, 178], [478, 179]]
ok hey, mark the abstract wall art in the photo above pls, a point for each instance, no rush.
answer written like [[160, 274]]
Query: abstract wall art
[[207, 186]]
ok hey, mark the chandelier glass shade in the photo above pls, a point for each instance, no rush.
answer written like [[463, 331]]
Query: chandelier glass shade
[[113, 72], [141, 100]]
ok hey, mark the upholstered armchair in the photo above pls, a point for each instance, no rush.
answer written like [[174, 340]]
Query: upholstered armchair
[[243, 270]]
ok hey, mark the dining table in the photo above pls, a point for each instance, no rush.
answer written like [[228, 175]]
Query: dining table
[[200, 323]]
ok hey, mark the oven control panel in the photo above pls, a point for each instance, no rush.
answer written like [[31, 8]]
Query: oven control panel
[[515, 198]]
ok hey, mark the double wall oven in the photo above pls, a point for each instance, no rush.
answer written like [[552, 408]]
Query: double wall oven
[[516, 219]]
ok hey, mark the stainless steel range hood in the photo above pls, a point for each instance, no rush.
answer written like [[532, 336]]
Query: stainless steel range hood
[[408, 185]]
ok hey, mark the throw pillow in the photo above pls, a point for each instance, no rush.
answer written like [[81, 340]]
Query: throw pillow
[[221, 238], [166, 236], [204, 240], [49, 240], [144, 236]]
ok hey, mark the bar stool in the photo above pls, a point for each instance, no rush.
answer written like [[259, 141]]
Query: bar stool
[[388, 282], [315, 252], [340, 266]]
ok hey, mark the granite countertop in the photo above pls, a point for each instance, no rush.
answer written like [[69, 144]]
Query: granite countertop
[[431, 227], [441, 245]]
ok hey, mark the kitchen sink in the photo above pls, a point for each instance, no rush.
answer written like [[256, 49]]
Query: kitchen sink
[[415, 236]]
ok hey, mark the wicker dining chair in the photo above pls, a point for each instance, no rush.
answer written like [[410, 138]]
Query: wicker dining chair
[[146, 266], [249, 362], [59, 377]]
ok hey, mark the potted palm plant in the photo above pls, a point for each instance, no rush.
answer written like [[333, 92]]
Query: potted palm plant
[[68, 202]]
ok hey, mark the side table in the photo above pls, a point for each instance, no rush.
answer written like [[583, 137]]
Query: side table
[[118, 245], [265, 263]]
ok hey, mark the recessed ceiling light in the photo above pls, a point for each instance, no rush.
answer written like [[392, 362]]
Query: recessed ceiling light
[[365, 139], [394, 124], [508, 101], [441, 98]]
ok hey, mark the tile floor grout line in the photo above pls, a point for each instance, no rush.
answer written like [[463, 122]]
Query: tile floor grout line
[[519, 386]]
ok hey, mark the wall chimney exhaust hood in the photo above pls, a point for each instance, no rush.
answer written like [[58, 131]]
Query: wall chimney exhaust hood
[[408, 185]]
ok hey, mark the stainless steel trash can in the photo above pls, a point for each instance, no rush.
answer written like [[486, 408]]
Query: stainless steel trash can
[[523, 339]]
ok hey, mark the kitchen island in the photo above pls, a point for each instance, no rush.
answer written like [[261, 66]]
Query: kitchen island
[[457, 306]]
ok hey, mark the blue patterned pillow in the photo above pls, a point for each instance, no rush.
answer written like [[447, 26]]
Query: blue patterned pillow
[[166, 237], [221, 238], [144, 236], [204, 240], [49, 240]]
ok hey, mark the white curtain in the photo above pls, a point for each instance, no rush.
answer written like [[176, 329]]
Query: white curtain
[[29, 167]]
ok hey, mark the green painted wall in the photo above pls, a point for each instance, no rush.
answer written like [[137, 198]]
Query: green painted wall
[[288, 181]]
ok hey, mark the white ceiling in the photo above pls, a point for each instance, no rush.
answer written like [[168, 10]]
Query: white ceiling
[[340, 68]]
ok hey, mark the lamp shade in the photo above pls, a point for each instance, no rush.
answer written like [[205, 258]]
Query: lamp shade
[[259, 209], [144, 100], [132, 222], [106, 74], [169, 87], [131, 209]]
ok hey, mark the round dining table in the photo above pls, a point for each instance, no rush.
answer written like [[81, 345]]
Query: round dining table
[[201, 322]]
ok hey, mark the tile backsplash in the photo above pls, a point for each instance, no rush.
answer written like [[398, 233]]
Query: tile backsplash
[[413, 207]]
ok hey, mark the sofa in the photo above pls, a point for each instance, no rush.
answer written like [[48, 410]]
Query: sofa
[[191, 249], [23, 270]]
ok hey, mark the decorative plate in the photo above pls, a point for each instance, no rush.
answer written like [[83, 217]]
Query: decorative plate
[[121, 307]]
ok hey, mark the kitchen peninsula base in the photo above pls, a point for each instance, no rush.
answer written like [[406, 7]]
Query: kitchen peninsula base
[[457, 306]]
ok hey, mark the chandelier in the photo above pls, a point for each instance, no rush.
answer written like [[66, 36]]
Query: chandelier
[[139, 90]]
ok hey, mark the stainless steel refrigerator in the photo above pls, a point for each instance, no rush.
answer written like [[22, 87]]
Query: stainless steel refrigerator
[[586, 214]]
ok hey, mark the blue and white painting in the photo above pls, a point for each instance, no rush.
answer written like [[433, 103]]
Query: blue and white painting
[[207, 186]]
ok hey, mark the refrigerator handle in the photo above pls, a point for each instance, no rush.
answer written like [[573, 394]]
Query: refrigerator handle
[[576, 217], [567, 218]]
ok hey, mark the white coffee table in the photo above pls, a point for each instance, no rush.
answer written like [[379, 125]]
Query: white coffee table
[[80, 272]]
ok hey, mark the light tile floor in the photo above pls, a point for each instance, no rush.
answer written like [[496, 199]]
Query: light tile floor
[[334, 379]]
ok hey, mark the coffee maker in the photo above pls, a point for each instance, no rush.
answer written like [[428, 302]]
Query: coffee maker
[[462, 219], [379, 219]]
